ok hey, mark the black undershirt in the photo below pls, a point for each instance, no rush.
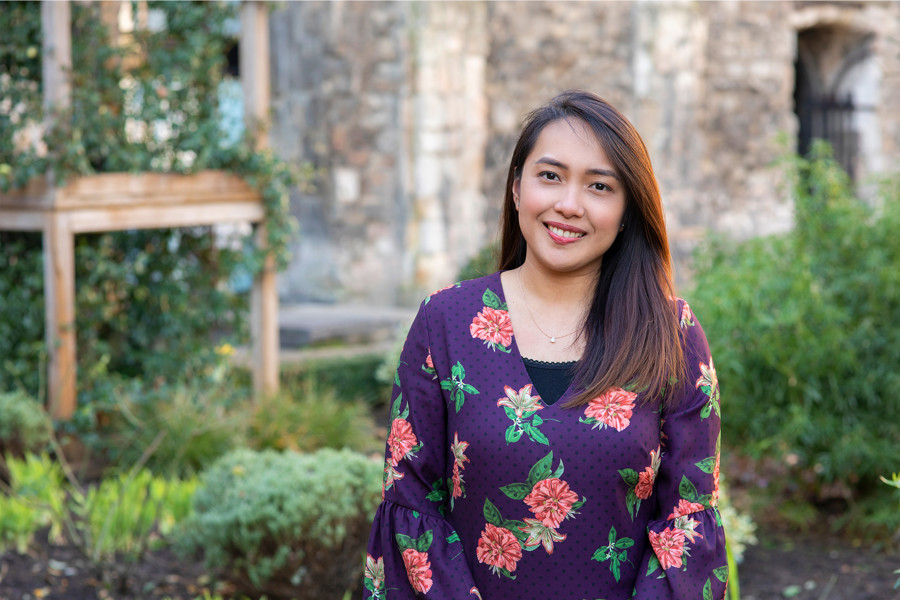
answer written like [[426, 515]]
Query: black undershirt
[[550, 379]]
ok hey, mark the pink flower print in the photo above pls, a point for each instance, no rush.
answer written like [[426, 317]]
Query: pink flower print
[[551, 500], [685, 508], [428, 362], [375, 571], [418, 569], [688, 527], [613, 408], [459, 459], [644, 487], [687, 316], [498, 548], [436, 292], [521, 402], [493, 326], [715, 492], [390, 476], [668, 546], [538, 533], [474, 592], [401, 440]]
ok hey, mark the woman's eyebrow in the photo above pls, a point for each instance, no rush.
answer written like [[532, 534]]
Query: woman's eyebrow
[[545, 160]]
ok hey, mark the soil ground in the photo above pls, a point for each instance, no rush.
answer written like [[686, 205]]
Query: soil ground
[[778, 568]]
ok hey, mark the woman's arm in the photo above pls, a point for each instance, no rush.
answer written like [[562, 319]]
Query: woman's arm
[[688, 559], [413, 551]]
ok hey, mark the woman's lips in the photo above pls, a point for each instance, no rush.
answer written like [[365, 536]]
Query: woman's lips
[[564, 234]]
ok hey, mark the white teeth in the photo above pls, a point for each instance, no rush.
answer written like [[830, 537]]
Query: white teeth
[[563, 233]]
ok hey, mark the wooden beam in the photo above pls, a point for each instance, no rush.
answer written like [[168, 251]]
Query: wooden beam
[[59, 300], [254, 67]]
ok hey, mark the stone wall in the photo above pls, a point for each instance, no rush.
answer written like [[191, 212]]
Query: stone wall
[[410, 112]]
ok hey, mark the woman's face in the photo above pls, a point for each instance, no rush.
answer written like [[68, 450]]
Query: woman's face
[[570, 200]]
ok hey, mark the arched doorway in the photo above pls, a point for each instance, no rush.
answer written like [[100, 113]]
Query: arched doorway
[[835, 94]]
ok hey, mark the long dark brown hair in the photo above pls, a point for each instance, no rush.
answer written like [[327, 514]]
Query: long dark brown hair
[[631, 332]]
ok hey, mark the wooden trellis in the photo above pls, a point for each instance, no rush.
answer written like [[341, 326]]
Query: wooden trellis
[[118, 201]]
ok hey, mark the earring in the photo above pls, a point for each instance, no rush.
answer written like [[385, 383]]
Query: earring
[[622, 227]]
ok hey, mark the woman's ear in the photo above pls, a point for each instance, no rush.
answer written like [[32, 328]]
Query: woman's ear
[[515, 191]]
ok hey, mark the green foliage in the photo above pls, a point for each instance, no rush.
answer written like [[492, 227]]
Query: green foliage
[[24, 425], [22, 349], [116, 519], [350, 377], [894, 482], [483, 263], [306, 416], [805, 329], [119, 517], [175, 430], [35, 499], [286, 524]]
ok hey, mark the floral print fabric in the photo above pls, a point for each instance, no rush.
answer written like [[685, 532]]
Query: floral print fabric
[[491, 494]]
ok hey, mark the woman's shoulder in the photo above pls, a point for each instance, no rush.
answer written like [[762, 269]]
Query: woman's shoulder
[[462, 295]]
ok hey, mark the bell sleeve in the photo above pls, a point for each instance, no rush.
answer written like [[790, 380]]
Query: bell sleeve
[[413, 551], [686, 557]]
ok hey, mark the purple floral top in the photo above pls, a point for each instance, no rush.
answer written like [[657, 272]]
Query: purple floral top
[[490, 494]]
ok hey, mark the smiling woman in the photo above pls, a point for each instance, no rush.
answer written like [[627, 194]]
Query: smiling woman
[[571, 385]]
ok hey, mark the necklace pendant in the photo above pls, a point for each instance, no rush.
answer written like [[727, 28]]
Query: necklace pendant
[[552, 340]]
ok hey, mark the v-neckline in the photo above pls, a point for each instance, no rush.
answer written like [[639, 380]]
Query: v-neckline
[[514, 350]]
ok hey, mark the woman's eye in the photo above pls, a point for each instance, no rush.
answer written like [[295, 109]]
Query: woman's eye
[[549, 175], [602, 187]]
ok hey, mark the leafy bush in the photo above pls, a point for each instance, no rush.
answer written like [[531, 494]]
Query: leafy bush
[[175, 430], [286, 525], [894, 482], [805, 328], [118, 518], [24, 425], [35, 499], [306, 416]]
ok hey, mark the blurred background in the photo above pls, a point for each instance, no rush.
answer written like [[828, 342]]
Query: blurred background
[[374, 138]]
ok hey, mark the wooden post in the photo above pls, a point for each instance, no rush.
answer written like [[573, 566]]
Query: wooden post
[[56, 24], [59, 300], [264, 324], [254, 68], [59, 242]]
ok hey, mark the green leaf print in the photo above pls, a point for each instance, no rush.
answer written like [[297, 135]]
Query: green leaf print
[[721, 573], [514, 528], [453, 537], [423, 543], [439, 493], [516, 491], [404, 542], [541, 470], [707, 590], [513, 434], [506, 573], [490, 299], [457, 387], [687, 489], [615, 553], [707, 465], [491, 514], [632, 503], [536, 435], [630, 476]]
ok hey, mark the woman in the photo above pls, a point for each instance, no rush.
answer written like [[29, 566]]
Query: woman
[[555, 426]]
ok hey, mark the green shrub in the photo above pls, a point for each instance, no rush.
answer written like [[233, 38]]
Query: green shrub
[[895, 482], [805, 329], [120, 516], [286, 524], [305, 416], [24, 425], [35, 499], [352, 378], [483, 263], [175, 430]]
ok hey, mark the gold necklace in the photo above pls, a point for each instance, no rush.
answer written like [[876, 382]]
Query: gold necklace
[[552, 338]]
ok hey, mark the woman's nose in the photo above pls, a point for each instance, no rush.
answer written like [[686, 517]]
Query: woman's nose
[[570, 204]]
